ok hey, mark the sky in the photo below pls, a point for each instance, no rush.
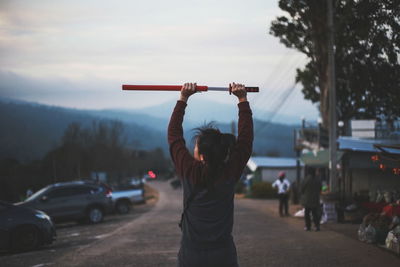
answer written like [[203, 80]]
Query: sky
[[78, 53]]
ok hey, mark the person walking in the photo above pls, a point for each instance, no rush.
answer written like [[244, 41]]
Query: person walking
[[310, 199], [283, 185], [208, 179]]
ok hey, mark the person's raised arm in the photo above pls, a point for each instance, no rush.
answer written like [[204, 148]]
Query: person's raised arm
[[239, 91], [177, 146], [187, 90], [244, 144]]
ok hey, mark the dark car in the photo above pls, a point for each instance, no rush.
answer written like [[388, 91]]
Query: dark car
[[72, 201], [23, 228]]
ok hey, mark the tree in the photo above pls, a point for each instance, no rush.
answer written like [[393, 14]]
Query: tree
[[367, 48]]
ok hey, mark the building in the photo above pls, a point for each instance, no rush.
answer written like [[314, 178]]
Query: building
[[266, 169], [365, 168]]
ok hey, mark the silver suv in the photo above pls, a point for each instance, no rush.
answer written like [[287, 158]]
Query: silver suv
[[69, 201]]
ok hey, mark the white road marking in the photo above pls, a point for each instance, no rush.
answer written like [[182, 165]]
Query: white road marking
[[75, 234], [43, 264], [102, 236]]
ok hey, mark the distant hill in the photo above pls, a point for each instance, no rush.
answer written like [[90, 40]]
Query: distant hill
[[271, 138], [29, 131], [200, 109]]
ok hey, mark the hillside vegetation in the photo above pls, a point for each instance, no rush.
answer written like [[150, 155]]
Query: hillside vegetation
[[29, 130]]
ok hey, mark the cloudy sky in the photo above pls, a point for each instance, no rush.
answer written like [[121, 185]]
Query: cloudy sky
[[78, 53]]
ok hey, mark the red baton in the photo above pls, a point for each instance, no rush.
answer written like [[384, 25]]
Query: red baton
[[202, 88]]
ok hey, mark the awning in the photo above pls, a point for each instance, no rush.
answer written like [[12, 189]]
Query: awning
[[348, 143], [319, 159]]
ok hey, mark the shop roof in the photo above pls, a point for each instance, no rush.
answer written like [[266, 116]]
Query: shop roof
[[349, 144], [271, 162], [366, 145]]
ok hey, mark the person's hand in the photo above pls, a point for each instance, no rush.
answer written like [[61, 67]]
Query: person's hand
[[187, 90], [239, 91]]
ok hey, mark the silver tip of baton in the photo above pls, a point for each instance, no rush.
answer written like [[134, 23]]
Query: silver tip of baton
[[223, 89]]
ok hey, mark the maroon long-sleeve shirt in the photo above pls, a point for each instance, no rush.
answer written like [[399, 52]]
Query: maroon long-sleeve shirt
[[209, 218]]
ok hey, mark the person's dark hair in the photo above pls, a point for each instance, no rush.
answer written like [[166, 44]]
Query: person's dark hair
[[215, 148]]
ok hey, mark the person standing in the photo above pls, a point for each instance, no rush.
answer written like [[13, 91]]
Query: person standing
[[283, 186], [208, 179], [310, 199]]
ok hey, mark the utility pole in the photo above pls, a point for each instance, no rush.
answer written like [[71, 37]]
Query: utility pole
[[298, 166], [332, 102], [298, 150]]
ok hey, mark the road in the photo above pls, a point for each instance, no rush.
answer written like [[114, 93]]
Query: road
[[149, 236]]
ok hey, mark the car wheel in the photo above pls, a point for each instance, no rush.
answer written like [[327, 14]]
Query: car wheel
[[95, 215], [25, 238], [123, 207]]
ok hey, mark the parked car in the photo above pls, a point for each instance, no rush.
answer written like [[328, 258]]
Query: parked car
[[23, 228], [124, 197], [79, 200], [137, 182]]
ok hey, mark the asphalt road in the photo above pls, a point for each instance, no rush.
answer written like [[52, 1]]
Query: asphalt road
[[149, 236]]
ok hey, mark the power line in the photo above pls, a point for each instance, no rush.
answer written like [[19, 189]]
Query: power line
[[270, 83], [275, 99], [274, 74], [284, 97], [277, 83], [272, 78]]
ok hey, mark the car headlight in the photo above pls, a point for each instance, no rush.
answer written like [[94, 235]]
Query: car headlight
[[42, 216]]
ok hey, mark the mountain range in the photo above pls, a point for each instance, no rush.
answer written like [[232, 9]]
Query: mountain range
[[199, 109], [30, 130]]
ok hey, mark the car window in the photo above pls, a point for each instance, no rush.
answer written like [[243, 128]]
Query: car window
[[71, 191], [85, 190], [35, 195], [61, 192], [58, 192]]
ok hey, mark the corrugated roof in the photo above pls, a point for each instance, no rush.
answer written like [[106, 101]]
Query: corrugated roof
[[271, 162], [365, 145]]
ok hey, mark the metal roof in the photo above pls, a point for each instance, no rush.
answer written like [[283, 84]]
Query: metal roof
[[271, 162], [366, 145]]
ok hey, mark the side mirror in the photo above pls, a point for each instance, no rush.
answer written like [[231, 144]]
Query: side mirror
[[44, 198]]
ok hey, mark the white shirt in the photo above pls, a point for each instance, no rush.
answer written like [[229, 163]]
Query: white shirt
[[283, 186]]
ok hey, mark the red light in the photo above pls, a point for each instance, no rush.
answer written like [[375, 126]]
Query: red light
[[109, 193], [382, 166], [375, 158], [396, 171], [152, 174]]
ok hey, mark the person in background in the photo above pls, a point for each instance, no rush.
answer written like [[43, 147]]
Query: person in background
[[283, 186], [310, 199]]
